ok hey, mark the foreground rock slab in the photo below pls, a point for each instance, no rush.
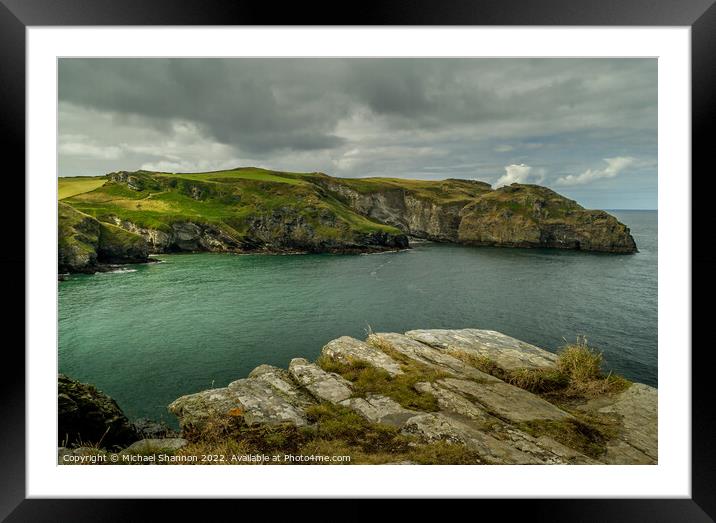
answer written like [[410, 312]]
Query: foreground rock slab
[[506, 401], [500, 422], [637, 407], [263, 404], [266, 397], [426, 355], [347, 350], [509, 353], [380, 409], [322, 385]]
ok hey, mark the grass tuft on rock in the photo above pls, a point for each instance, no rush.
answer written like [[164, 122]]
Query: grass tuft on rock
[[577, 374], [538, 381], [573, 433], [588, 432], [367, 379], [581, 367]]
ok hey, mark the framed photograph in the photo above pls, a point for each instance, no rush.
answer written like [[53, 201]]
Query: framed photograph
[[419, 253]]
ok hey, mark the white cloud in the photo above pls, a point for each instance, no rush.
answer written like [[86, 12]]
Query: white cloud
[[504, 148], [190, 165], [613, 168], [520, 173], [86, 150]]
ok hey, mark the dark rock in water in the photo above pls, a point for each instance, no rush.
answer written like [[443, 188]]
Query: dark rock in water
[[88, 416], [150, 429]]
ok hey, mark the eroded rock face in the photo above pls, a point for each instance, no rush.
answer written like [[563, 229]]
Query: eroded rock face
[[182, 236], [522, 215], [415, 216], [85, 244], [519, 215], [474, 409], [88, 416]]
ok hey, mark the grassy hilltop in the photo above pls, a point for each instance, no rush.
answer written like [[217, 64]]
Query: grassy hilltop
[[257, 210], [226, 198], [156, 200]]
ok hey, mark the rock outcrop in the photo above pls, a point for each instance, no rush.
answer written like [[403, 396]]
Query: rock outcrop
[[92, 427], [501, 422], [519, 215], [88, 245], [88, 416]]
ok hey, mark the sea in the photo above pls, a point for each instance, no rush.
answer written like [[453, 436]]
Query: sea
[[147, 334]]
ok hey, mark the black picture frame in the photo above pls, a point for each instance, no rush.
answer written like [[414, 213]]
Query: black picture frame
[[17, 15]]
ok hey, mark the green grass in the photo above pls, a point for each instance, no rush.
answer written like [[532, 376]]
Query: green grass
[[367, 379], [68, 187], [578, 374], [573, 433], [247, 173], [76, 232], [333, 431], [227, 199]]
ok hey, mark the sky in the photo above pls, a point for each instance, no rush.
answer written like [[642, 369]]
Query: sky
[[587, 128]]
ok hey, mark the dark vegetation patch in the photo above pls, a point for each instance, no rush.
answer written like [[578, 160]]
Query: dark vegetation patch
[[333, 431]]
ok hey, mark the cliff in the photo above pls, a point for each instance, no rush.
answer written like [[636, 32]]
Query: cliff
[[427, 396], [467, 212], [255, 210], [88, 245]]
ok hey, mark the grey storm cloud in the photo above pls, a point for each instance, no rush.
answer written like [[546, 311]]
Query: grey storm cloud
[[424, 118]]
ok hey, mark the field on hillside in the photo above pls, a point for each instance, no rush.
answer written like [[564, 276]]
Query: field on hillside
[[68, 187], [229, 198], [247, 173]]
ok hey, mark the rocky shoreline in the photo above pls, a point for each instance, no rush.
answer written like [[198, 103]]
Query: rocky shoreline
[[140, 213], [488, 397]]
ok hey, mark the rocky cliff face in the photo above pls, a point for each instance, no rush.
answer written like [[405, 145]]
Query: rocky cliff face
[[515, 216], [86, 244], [533, 216], [280, 231], [496, 420], [181, 236], [417, 217]]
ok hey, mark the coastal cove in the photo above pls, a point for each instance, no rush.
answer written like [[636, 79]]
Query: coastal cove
[[149, 333]]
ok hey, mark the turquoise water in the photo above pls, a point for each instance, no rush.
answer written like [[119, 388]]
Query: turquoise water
[[150, 334]]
